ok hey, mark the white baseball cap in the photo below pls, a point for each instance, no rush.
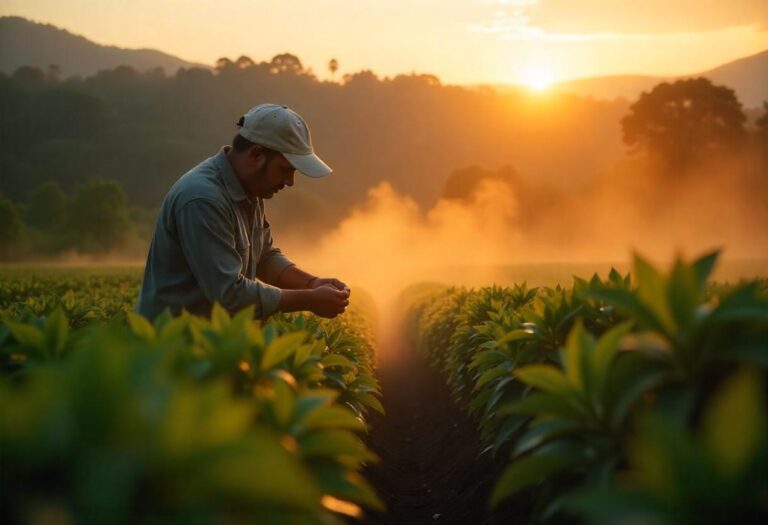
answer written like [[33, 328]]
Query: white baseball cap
[[277, 127]]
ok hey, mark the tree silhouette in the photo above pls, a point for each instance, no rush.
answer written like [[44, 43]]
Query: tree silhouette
[[28, 76], [761, 135], [54, 73], [286, 63], [244, 62], [223, 63], [762, 122], [11, 228], [333, 66], [684, 120], [46, 207], [99, 215]]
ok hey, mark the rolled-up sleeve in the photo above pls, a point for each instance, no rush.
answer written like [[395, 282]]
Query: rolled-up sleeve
[[272, 261], [207, 238]]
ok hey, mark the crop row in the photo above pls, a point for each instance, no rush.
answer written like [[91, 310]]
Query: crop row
[[84, 295], [625, 400], [186, 420]]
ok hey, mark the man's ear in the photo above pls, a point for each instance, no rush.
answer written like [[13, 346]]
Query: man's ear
[[257, 156]]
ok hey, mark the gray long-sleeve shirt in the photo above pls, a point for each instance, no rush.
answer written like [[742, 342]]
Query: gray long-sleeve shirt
[[211, 244]]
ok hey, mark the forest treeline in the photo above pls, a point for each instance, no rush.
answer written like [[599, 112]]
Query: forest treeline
[[145, 129], [63, 138]]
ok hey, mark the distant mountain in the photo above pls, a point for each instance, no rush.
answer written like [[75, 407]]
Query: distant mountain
[[27, 43], [747, 76]]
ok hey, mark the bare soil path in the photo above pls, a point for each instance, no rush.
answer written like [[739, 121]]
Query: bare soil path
[[431, 471]]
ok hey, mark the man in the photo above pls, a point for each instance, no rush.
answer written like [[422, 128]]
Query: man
[[212, 242]]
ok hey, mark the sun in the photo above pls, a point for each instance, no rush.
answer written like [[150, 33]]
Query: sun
[[538, 79]]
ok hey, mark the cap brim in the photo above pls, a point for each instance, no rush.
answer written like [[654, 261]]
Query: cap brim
[[310, 165]]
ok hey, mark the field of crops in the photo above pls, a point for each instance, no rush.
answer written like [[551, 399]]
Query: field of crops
[[635, 398], [106, 418], [623, 400]]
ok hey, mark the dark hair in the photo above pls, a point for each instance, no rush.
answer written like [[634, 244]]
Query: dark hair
[[241, 144]]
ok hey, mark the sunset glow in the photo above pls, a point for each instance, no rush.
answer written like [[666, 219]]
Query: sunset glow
[[538, 79], [460, 41]]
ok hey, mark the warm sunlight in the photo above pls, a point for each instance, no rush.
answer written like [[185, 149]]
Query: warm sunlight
[[383, 262], [538, 79]]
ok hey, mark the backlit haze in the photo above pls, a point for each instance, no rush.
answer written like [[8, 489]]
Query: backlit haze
[[543, 177], [533, 42]]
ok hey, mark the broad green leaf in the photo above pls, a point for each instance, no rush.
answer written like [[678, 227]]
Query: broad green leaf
[[281, 348], [244, 316], [664, 454], [544, 377], [163, 318], [743, 303], [611, 506], [488, 358], [541, 431], [26, 334], [336, 360], [304, 351], [56, 330], [309, 402], [684, 297], [652, 291], [541, 403], [370, 400], [349, 486], [514, 335], [753, 353], [283, 402], [703, 267], [364, 383], [333, 417], [631, 377], [141, 327], [260, 470], [528, 471], [577, 357], [510, 425], [219, 317], [604, 353], [735, 422], [489, 375], [334, 443], [629, 304]]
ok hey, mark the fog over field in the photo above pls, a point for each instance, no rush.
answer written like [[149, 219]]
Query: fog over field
[[390, 241]]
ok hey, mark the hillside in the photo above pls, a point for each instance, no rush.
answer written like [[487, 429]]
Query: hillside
[[27, 43], [747, 76]]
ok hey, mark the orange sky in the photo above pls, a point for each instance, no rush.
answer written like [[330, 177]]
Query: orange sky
[[461, 41]]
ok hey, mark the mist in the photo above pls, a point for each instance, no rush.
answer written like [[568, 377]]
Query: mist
[[389, 241]]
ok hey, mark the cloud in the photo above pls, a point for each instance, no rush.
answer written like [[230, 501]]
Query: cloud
[[566, 20]]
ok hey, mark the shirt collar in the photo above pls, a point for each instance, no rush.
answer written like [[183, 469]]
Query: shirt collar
[[234, 188]]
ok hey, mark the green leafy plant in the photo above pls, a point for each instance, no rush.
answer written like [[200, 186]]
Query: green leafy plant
[[185, 419], [556, 377]]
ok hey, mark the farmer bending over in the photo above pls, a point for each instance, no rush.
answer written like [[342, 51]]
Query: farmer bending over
[[212, 242]]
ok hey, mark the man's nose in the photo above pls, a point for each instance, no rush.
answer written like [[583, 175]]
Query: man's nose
[[289, 182]]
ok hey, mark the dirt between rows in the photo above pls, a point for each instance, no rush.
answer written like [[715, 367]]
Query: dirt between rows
[[431, 470]]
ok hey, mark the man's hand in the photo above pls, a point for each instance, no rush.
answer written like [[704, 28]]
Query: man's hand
[[329, 300], [316, 282]]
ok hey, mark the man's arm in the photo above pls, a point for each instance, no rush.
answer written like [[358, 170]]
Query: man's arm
[[324, 301], [272, 262], [294, 278], [206, 236]]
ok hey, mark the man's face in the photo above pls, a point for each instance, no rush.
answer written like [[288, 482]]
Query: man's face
[[273, 175]]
